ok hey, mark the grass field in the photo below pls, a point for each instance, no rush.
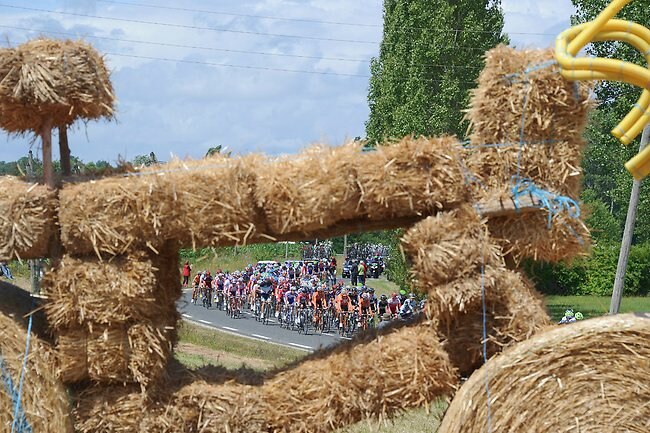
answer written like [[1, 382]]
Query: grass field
[[412, 421], [592, 306]]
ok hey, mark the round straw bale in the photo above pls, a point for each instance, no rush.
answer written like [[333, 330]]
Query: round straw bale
[[58, 79], [589, 376], [522, 89], [415, 176], [27, 219], [318, 188], [408, 366], [43, 400]]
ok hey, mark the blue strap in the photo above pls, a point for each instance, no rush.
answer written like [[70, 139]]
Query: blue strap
[[553, 203], [20, 423]]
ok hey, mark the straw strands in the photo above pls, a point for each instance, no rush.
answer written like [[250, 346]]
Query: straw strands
[[409, 367], [27, 219], [57, 79], [416, 176], [315, 189], [522, 100], [589, 376], [43, 399]]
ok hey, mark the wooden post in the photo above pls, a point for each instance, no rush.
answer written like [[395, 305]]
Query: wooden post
[[64, 151], [619, 280], [34, 265], [46, 140], [345, 246]]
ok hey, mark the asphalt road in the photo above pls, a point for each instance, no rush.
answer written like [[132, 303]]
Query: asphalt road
[[247, 326]]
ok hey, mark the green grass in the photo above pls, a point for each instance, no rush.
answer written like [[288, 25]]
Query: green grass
[[229, 262], [193, 361], [382, 286], [242, 347], [592, 306], [412, 421]]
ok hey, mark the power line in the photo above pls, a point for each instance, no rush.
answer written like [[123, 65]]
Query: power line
[[306, 20], [217, 29], [185, 26], [164, 44], [232, 14]]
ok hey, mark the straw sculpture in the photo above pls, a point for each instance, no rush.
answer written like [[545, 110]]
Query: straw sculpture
[[43, 399], [315, 189], [456, 261], [27, 219], [373, 379], [60, 80], [114, 321], [589, 376]]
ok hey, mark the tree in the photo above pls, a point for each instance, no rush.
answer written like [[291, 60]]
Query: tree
[[145, 160], [430, 56], [217, 150]]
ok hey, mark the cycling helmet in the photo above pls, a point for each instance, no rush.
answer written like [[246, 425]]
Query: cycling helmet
[[344, 292], [579, 316], [412, 295], [402, 292], [321, 289], [394, 294], [365, 296], [383, 297], [568, 313], [371, 290]]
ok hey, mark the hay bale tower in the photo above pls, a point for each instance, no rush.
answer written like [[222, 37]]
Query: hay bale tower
[[46, 83]]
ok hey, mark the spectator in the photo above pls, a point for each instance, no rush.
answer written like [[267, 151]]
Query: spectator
[[354, 273], [361, 270], [187, 271]]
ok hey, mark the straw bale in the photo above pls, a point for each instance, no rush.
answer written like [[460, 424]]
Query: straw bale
[[589, 376], [137, 353], [27, 219], [227, 408], [197, 203], [43, 398], [416, 176], [529, 236], [82, 291], [315, 189], [58, 79], [514, 312], [408, 366], [551, 110], [114, 409], [448, 246]]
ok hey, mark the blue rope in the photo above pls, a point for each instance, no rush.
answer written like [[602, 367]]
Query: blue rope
[[553, 203], [20, 423], [485, 357]]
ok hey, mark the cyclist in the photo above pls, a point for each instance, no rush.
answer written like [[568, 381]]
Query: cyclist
[[197, 284], [207, 290], [366, 308], [265, 292], [409, 307], [382, 305], [394, 304], [568, 317], [319, 302], [343, 305]]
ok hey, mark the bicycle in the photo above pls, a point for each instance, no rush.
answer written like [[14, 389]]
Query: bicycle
[[304, 319]]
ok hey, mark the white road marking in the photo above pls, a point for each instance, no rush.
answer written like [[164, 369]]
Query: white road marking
[[229, 328], [347, 338], [205, 321], [301, 346], [327, 333], [187, 315], [260, 336]]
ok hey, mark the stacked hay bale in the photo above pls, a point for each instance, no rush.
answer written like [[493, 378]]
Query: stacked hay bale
[[114, 321], [43, 401], [527, 123], [27, 219], [456, 261], [588, 376], [197, 203], [333, 389]]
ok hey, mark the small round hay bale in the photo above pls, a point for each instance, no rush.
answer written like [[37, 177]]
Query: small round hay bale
[[43, 400], [588, 377], [57, 79]]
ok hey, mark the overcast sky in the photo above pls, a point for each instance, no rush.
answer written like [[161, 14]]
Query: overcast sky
[[176, 96]]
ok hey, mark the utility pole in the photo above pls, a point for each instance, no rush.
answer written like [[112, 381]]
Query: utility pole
[[34, 265], [617, 293], [286, 250], [345, 246]]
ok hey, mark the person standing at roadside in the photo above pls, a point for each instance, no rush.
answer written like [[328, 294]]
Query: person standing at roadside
[[362, 272], [187, 271], [354, 273]]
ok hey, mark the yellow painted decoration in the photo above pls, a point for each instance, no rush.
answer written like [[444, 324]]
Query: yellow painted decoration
[[606, 28]]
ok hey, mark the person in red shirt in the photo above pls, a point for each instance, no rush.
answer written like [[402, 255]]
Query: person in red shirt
[[187, 271]]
